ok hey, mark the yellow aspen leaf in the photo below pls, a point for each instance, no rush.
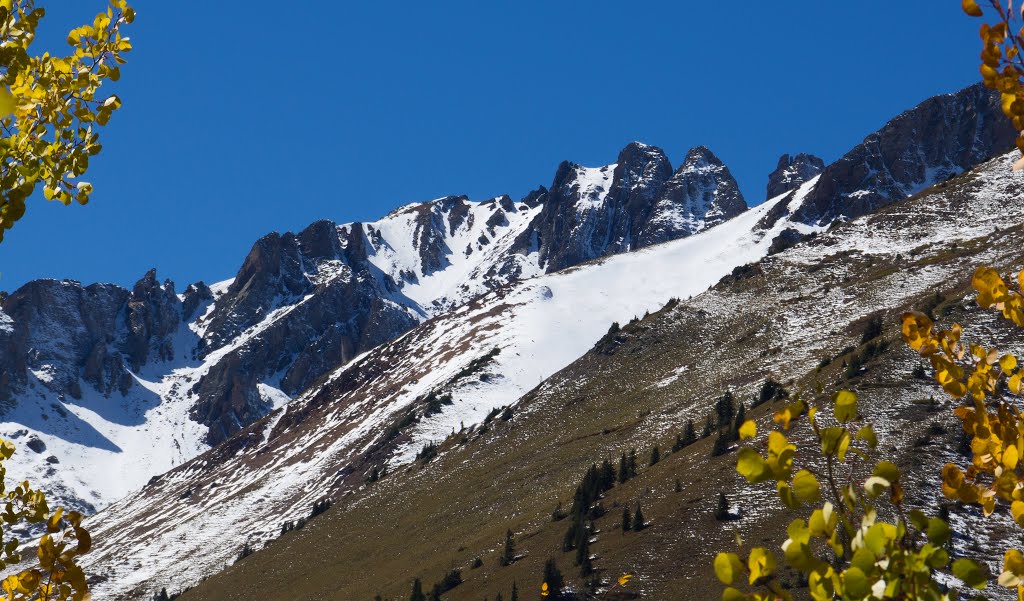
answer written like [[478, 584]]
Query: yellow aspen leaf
[[990, 287], [732, 594], [728, 567], [7, 102], [748, 430], [544, 592], [624, 579], [971, 8], [761, 563], [846, 406], [1017, 510], [1010, 457], [916, 329], [752, 466], [1015, 384], [806, 487]]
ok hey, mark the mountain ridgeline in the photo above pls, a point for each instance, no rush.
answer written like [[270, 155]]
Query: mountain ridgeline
[[348, 350]]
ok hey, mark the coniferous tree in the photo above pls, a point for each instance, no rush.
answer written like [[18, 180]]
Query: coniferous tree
[[499, 598], [709, 427], [417, 591], [553, 578], [741, 416], [689, 433], [638, 519], [509, 554], [679, 485], [161, 596], [623, 469], [435, 593], [627, 522], [632, 463], [678, 445], [607, 475], [515, 592], [722, 509], [725, 410], [655, 455]]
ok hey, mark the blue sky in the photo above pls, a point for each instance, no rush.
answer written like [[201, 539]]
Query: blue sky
[[242, 118]]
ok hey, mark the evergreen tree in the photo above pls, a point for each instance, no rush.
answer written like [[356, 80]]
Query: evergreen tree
[[741, 416], [623, 469], [627, 523], [509, 554], [638, 519], [553, 578], [679, 485], [607, 475], [722, 443], [689, 434], [515, 592], [709, 427], [725, 410], [655, 455], [161, 596], [632, 463], [435, 593], [722, 509], [417, 591], [499, 598], [678, 445]]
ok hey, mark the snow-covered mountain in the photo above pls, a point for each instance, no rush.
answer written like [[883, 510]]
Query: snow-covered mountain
[[445, 379], [390, 334], [140, 380]]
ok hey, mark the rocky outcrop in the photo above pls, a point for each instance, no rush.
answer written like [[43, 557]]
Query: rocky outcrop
[[590, 213], [941, 137], [702, 193], [59, 332], [792, 171], [152, 317]]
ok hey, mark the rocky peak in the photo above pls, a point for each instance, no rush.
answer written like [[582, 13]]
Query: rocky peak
[[939, 138], [152, 316], [701, 193], [792, 171]]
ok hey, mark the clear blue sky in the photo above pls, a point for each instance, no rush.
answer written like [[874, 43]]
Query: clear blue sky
[[244, 117]]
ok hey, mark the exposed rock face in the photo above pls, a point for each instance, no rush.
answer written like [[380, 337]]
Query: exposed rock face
[[939, 138], [153, 315], [702, 193], [331, 307], [195, 295], [594, 212], [793, 171], [60, 332]]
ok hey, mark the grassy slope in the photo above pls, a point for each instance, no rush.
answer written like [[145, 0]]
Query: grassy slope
[[801, 306]]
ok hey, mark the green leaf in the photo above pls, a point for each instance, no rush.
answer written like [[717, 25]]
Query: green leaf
[[855, 584], [846, 406], [970, 573], [938, 532], [867, 433]]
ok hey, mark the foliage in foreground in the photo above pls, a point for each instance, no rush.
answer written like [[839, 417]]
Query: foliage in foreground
[[50, 107], [845, 548]]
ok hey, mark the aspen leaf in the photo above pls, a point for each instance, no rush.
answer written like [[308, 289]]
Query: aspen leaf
[[846, 406], [748, 430], [761, 563], [751, 465], [971, 8], [806, 487], [970, 573], [728, 567]]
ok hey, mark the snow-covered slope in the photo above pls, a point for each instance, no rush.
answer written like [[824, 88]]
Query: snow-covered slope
[[378, 410], [333, 435]]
